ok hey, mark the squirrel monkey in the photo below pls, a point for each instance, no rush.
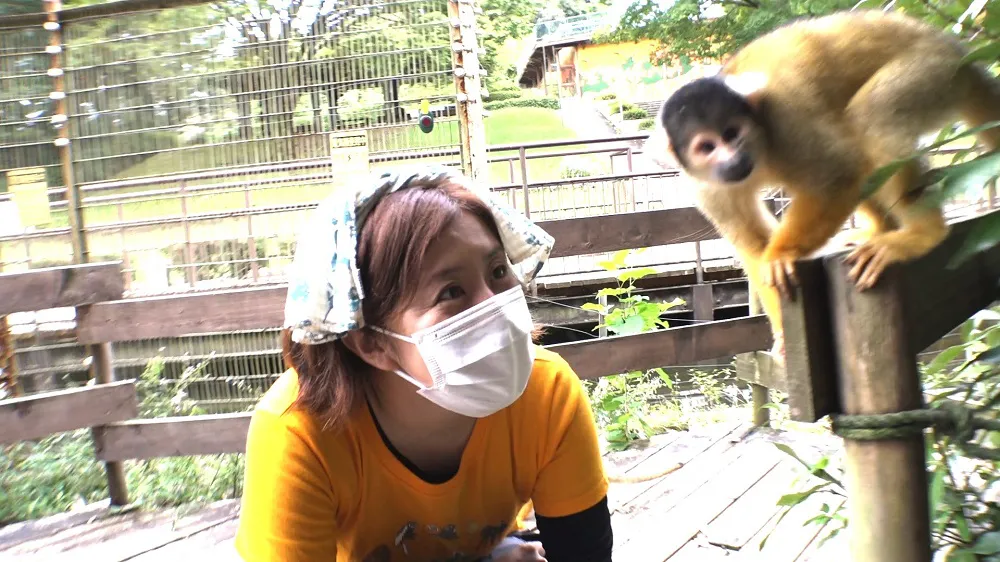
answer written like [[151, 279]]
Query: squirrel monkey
[[814, 107]]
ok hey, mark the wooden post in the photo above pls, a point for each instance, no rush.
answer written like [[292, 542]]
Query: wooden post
[[545, 71], [887, 479], [468, 84], [8, 361], [101, 367], [758, 393]]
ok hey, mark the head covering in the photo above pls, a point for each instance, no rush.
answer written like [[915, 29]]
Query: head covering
[[324, 289]]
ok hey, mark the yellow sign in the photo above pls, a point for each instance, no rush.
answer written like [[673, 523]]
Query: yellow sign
[[31, 195], [349, 152]]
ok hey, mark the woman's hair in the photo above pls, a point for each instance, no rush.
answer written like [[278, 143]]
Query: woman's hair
[[392, 245]]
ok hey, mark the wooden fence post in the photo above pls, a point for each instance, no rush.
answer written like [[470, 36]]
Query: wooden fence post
[[758, 393], [101, 368], [886, 480]]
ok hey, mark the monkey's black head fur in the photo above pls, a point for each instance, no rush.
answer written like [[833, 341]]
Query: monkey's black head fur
[[703, 103]]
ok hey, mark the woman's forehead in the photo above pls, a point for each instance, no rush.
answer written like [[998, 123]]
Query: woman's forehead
[[462, 239]]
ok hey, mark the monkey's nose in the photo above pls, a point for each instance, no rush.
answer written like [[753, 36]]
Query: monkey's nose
[[737, 169]]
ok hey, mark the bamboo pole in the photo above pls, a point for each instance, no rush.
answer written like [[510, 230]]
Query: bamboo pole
[[101, 367]]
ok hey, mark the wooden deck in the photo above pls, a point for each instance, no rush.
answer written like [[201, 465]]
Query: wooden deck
[[719, 505]]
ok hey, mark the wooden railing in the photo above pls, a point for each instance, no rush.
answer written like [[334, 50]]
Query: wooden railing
[[110, 409], [848, 352]]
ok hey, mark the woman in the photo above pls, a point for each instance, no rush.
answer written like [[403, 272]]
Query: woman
[[417, 417]]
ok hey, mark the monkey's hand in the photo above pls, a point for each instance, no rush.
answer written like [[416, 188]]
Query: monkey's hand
[[778, 349], [779, 271]]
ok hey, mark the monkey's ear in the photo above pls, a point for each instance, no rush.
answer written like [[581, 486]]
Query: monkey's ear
[[659, 149], [750, 85]]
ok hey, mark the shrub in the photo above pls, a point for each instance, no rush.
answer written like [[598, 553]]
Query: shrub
[[544, 103], [622, 106], [60, 472], [608, 96], [635, 113], [646, 124], [504, 94]]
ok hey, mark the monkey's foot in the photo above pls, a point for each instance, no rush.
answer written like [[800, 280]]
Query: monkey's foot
[[870, 259], [779, 272]]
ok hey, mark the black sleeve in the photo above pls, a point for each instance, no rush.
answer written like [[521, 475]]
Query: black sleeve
[[581, 537]]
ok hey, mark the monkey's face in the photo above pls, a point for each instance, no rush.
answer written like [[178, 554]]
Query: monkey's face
[[712, 132]]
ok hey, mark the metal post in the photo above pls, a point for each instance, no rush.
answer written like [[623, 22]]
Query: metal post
[[192, 271], [101, 367], [524, 179]]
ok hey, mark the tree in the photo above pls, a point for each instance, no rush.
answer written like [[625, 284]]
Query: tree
[[699, 29]]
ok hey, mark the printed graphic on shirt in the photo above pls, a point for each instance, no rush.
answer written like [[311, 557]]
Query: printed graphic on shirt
[[489, 536]]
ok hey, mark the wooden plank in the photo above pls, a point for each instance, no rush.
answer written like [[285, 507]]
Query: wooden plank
[[760, 368], [686, 519], [682, 450], [675, 346], [734, 528], [937, 298], [53, 287], [724, 449], [40, 415], [810, 358], [609, 233], [179, 315], [789, 538], [172, 437]]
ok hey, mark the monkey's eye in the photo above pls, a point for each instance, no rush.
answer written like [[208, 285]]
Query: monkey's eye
[[730, 134], [705, 147]]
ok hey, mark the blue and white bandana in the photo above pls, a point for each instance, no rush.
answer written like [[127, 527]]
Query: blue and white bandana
[[324, 289]]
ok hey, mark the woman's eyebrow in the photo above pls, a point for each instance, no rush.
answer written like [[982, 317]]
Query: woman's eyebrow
[[454, 270]]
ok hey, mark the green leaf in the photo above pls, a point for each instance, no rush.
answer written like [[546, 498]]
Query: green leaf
[[988, 543], [635, 273], [607, 265], [594, 307], [788, 451], [611, 291], [985, 235], [632, 325], [881, 175], [966, 176], [799, 497], [943, 358], [665, 377], [990, 356], [937, 486], [990, 52]]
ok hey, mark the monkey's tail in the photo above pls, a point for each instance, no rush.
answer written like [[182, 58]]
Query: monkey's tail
[[982, 103], [622, 479]]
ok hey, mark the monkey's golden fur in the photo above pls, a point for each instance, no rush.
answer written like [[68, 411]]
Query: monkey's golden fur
[[844, 95]]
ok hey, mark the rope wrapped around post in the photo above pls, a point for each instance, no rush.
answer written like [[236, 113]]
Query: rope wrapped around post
[[949, 417]]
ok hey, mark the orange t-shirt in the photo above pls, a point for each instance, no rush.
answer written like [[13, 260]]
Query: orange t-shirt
[[315, 495]]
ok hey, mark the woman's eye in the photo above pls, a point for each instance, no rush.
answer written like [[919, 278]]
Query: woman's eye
[[452, 292], [500, 272]]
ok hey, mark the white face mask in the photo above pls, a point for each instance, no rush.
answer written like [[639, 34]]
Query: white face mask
[[479, 360]]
